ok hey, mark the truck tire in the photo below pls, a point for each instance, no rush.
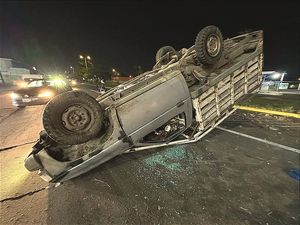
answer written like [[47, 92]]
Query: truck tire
[[162, 52], [72, 117], [209, 45]]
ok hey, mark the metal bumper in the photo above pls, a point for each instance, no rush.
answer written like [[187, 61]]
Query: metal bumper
[[52, 170], [31, 164]]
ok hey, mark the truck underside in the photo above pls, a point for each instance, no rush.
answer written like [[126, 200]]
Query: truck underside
[[216, 93], [183, 98]]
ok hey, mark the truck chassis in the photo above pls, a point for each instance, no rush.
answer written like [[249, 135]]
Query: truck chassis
[[186, 95]]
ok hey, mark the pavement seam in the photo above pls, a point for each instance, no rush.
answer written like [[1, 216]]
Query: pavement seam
[[7, 116], [21, 196], [15, 146]]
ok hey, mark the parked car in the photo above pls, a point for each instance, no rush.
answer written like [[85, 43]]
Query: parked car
[[38, 92]]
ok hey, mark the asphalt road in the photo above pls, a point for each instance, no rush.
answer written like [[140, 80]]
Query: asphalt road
[[223, 179]]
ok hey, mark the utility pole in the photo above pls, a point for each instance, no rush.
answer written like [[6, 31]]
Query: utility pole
[[88, 69], [85, 60], [85, 63]]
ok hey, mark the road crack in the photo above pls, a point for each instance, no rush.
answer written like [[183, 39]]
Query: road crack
[[15, 146], [7, 116], [23, 195]]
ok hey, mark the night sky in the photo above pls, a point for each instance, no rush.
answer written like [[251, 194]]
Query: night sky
[[51, 35]]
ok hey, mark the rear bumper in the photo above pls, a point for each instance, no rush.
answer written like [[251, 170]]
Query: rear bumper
[[32, 164], [52, 170]]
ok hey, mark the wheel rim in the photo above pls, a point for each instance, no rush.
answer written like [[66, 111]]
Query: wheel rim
[[76, 118], [213, 45]]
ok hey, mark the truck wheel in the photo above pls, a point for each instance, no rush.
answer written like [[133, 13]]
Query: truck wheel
[[72, 118], [161, 55], [209, 45]]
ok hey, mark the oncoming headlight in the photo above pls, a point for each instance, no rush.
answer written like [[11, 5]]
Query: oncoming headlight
[[59, 83], [46, 94], [14, 95], [22, 84]]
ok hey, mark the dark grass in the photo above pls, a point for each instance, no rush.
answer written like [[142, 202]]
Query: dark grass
[[283, 103]]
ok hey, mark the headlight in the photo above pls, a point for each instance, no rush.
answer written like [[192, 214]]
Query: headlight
[[14, 95], [21, 83], [46, 94], [59, 83]]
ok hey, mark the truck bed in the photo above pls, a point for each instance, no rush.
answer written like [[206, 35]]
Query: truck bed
[[228, 84], [229, 87]]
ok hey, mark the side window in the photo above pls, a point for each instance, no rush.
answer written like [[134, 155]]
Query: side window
[[39, 83], [168, 131], [33, 84]]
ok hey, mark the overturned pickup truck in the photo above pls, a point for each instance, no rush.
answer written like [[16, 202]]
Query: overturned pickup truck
[[186, 95]]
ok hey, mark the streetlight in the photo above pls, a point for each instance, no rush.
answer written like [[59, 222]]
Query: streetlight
[[273, 75], [72, 68], [85, 60], [115, 72]]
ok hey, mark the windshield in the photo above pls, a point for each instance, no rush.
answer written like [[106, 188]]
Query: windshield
[[40, 83]]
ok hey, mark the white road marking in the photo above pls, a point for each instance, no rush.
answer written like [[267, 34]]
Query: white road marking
[[261, 140]]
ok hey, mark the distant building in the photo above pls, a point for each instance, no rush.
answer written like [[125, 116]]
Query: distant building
[[13, 71], [120, 79], [273, 81]]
